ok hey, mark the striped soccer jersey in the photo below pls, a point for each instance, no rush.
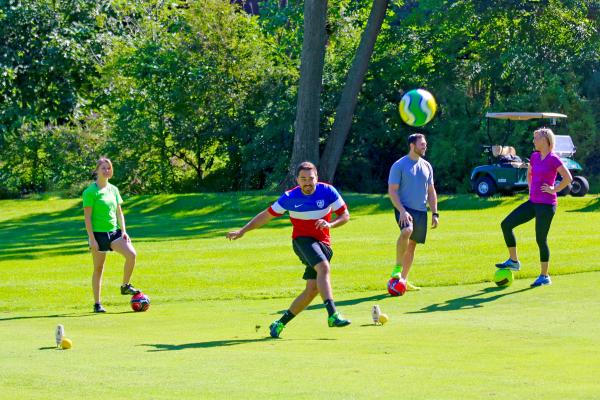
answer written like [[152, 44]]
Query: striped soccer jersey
[[305, 210]]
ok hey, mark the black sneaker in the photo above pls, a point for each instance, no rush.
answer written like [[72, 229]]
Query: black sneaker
[[128, 289], [98, 308]]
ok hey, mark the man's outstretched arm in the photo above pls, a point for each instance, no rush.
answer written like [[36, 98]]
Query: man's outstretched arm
[[259, 220]]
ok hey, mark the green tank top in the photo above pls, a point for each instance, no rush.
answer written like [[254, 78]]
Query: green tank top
[[104, 204]]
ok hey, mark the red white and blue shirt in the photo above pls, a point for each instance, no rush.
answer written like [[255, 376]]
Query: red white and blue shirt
[[305, 210]]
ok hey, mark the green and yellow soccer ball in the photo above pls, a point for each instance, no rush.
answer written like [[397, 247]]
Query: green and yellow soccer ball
[[417, 107], [504, 277]]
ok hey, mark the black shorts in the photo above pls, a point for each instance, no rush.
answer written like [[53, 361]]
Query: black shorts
[[419, 224], [311, 252], [104, 239]]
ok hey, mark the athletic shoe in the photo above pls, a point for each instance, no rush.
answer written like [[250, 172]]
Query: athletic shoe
[[510, 264], [276, 328], [98, 308], [128, 289], [411, 287], [542, 280], [396, 272], [337, 320]]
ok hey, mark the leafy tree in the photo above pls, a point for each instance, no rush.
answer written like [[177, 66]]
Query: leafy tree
[[48, 55], [306, 135], [188, 92]]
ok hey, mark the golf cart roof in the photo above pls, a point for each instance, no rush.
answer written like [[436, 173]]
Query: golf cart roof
[[522, 116]]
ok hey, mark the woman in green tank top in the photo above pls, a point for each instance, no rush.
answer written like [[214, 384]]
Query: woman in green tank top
[[105, 226]]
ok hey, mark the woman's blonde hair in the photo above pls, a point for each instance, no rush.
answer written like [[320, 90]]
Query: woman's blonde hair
[[548, 134], [100, 161]]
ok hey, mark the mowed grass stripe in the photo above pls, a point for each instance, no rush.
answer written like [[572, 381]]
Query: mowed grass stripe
[[183, 255]]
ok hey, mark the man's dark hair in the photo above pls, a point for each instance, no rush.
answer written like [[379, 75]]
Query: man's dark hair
[[412, 139], [306, 166]]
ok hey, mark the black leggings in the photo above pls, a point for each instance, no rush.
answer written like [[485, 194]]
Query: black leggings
[[543, 214]]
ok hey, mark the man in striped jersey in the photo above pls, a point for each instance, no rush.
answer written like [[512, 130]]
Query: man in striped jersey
[[310, 205]]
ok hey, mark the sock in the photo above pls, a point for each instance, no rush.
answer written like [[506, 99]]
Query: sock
[[330, 305], [287, 317]]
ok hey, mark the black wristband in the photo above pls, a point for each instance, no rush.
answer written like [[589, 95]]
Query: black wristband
[[435, 215]]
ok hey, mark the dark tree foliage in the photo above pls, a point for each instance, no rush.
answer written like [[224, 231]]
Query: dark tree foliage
[[202, 96]]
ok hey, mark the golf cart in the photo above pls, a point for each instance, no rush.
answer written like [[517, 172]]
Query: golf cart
[[506, 172]]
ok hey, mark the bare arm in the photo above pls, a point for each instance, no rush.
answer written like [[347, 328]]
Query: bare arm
[[87, 214], [432, 200], [121, 222], [259, 220], [405, 217], [335, 223], [566, 180]]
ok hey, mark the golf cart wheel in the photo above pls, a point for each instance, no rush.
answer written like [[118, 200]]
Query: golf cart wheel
[[485, 187], [579, 186], [565, 191]]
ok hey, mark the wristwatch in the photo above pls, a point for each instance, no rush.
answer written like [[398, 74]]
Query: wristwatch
[[435, 214]]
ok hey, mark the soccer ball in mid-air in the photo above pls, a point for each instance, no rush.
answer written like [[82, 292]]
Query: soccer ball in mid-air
[[140, 302], [504, 277], [417, 107], [396, 287]]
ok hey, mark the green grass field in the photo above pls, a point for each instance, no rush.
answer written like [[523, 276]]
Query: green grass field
[[205, 335]]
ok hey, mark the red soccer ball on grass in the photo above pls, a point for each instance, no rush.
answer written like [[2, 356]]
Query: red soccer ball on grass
[[140, 302], [396, 287]]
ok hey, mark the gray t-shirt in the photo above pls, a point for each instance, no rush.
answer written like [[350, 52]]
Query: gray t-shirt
[[413, 178]]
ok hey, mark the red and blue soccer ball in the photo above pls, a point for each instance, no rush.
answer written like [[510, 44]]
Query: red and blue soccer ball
[[396, 287], [140, 302]]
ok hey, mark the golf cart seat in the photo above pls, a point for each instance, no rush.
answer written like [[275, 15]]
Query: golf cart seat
[[507, 156]]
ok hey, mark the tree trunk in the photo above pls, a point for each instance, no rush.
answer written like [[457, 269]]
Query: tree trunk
[[306, 135], [345, 109]]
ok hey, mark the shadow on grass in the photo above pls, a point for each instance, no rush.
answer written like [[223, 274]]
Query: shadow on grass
[[363, 203], [468, 202], [211, 344], [467, 302], [203, 345], [149, 218], [349, 302], [592, 206], [68, 315], [173, 217]]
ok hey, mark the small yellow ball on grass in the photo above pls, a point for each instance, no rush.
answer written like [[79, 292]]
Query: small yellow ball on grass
[[383, 318], [66, 343]]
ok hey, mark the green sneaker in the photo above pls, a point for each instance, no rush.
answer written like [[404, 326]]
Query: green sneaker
[[276, 328], [336, 320], [397, 271], [411, 287]]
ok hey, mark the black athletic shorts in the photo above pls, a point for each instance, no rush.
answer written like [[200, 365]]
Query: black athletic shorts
[[419, 224], [311, 252], [104, 239]]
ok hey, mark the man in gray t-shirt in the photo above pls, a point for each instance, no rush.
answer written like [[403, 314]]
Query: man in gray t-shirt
[[410, 187]]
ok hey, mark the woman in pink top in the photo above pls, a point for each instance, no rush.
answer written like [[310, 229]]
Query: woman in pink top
[[541, 176]]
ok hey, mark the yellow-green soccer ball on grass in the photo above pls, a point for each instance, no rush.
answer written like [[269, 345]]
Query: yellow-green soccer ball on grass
[[504, 277], [383, 318], [66, 344]]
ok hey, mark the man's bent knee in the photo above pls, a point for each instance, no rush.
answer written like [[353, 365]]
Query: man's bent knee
[[322, 268], [406, 233]]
